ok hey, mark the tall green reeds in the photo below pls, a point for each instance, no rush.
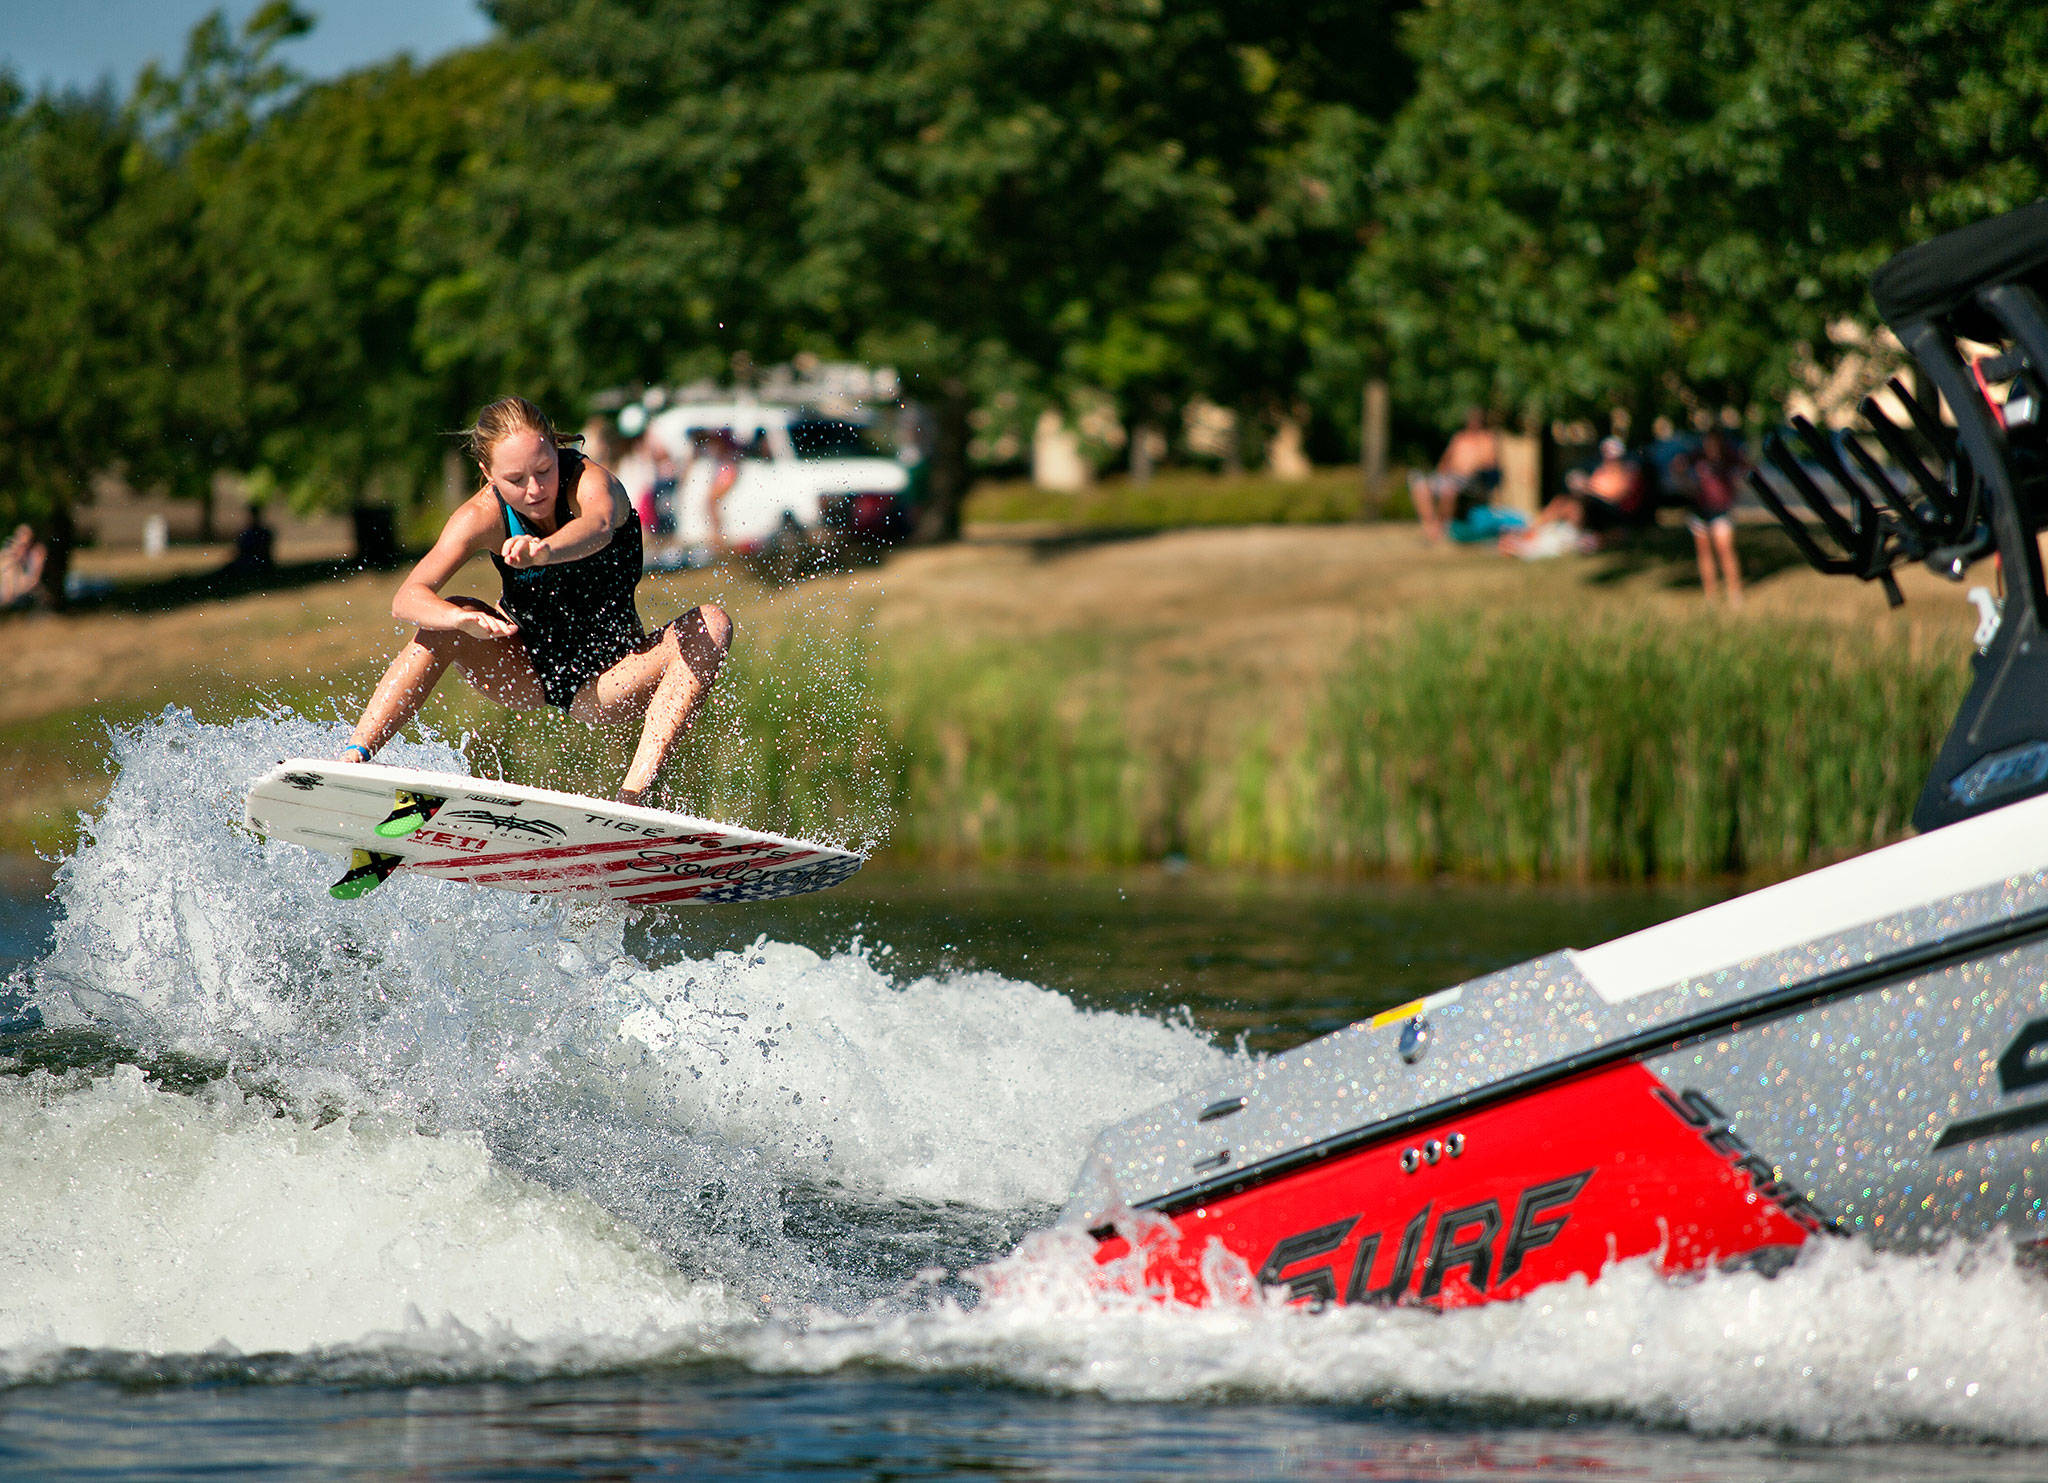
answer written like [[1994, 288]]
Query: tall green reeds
[[1525, 748], [1013, 752], [1622, 750]]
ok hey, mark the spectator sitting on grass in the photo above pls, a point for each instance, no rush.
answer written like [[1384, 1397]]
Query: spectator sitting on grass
[[1610, 496], [1471, 463], [1614, 493], [21, 566]]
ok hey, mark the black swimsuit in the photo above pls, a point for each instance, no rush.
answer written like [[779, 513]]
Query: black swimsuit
[[576, 618]]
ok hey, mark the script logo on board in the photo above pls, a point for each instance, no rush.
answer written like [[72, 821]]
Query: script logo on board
[[1469, 1237], [723, 861]]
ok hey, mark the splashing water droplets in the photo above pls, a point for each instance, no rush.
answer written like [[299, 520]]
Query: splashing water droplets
[[771, 1120]]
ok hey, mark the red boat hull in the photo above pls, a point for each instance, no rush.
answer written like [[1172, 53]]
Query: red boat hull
[[1555, 1183]]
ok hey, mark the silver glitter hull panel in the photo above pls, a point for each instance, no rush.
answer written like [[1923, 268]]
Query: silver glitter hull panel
[[1888, 1107], [1871, 1066]]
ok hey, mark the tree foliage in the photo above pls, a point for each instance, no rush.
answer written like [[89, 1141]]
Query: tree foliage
[[1598, 204], [1023, 196], [68, 333], [1551, 210], [336, 225]]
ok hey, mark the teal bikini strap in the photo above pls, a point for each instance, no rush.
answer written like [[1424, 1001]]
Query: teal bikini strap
[[512, 525]]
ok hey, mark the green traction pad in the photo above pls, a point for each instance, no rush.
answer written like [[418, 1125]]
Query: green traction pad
[[409, 812], [366, 871]]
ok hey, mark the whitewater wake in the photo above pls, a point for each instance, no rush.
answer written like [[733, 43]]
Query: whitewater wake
[[441, 1131]]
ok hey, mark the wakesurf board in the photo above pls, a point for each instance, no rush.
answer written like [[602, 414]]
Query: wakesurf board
[[383, 820]]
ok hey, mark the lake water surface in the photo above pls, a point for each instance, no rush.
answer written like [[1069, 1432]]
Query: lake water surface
[[445, 1185]]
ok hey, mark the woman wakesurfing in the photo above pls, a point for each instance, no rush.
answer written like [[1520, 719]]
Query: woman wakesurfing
[[564, 538]]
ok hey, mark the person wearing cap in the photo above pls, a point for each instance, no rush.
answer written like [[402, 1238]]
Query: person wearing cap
[[1610, 495]]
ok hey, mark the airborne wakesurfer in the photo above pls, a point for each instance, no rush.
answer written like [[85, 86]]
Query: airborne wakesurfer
[[563, 536]]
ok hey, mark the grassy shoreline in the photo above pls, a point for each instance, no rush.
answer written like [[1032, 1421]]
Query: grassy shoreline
[[1382, 710]]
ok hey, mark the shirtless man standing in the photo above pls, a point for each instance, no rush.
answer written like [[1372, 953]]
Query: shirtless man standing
[[1472, 454]]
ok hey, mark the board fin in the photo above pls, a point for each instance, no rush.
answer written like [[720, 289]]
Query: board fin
[[367, 870], [408, 812]]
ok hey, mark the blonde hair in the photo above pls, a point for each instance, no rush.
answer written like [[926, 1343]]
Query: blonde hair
[[504, 417]]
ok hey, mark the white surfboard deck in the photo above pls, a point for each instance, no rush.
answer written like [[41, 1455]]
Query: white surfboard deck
[[515, 838]]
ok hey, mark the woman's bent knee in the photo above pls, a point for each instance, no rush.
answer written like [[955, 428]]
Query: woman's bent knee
[[717, 625], [705, 632]]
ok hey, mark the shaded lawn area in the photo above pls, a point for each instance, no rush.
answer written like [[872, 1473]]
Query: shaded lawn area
[[1180, 499]]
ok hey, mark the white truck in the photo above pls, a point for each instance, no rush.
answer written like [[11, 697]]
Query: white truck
[[800, 476]]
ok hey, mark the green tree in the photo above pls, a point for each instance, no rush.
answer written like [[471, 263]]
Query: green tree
[[1666, 207], [227, 274], [1003, 197], [105, 280], [333, 223], [192, 404], [70, 302]]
